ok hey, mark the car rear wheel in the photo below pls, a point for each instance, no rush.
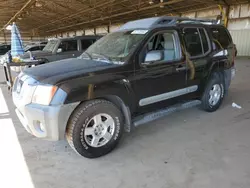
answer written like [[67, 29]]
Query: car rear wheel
[[95, 128], [214, 93]]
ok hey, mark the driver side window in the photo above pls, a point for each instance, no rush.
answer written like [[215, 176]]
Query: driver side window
[[164, 44], [67, 46]]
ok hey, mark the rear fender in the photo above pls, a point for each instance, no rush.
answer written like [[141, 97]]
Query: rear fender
[[216, 66]]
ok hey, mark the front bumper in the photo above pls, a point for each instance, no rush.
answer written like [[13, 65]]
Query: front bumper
[[48, 122]]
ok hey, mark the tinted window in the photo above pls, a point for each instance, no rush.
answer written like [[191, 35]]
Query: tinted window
[[222, 39], [165, 42], [193, 41], [70, 45], [86, 43], [204, 40], [4, 49]]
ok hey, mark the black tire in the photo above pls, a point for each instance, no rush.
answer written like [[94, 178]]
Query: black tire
[[216, 79], [79, 121]]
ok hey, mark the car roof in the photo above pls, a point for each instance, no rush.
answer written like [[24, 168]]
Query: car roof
[[34, 45], [4, 44], [79, 37]]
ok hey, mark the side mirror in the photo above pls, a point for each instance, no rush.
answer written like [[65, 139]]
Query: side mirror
[[153, 56], [59, 50]]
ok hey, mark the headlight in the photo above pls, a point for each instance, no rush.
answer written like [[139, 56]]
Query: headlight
[[43, 94]]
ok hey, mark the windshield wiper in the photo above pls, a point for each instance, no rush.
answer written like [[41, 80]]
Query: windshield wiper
[[103, 56]]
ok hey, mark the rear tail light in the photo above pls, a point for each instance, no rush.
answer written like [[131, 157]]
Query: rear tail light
[[233, 59]]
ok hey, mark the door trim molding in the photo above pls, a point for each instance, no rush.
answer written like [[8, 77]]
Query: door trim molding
[[168, 95]]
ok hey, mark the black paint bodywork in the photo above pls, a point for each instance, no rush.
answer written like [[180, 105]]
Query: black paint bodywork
[[85, 79]]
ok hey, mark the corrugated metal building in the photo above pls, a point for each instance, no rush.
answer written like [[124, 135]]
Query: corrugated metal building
[[238, 25]]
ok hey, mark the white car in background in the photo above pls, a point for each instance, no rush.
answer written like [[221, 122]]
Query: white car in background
[[29, 47]]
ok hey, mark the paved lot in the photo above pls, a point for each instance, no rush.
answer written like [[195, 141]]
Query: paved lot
[[188, 149]]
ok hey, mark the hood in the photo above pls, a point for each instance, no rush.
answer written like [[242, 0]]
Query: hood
[[36, 54], [55, 72]]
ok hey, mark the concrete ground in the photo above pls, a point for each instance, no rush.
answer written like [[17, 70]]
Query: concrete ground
[[188, 149]]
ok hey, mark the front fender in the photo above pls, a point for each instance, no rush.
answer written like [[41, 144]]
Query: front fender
[[98, 86]]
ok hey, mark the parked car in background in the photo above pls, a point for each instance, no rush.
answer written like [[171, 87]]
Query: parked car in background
[[4, 48], [31, 47], [63, 48], [34, 47], [35, 43]]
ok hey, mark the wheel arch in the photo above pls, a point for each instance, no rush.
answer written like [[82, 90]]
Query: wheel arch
[[118, 102], [215, 67], [123, 107]]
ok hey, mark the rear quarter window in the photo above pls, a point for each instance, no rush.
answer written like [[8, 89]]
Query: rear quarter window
[[221, 37]]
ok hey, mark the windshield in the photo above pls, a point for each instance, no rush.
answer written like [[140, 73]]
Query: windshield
[[115, 47], [50, 45]]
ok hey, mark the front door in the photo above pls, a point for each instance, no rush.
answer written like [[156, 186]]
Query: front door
[[67, 49], [161, 82]]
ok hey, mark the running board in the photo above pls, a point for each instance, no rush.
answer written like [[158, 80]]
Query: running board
[[145, 118]]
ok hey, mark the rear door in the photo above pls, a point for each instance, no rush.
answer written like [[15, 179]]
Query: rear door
[[198, 49]]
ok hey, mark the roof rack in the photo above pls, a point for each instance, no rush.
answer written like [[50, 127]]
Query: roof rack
[[164, 20], [178, 20]]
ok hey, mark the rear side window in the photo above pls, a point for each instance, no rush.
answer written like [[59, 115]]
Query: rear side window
[[86, 43], [193, 41], [196, 41], [221, 37], [70, 45]]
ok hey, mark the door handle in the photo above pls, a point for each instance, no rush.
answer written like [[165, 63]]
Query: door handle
[[180, 68]]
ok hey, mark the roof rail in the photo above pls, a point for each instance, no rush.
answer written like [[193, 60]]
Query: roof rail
[[177, 20], [164, 20]]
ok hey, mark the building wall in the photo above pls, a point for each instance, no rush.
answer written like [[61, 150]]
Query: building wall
[[25, 37], [238, 24]]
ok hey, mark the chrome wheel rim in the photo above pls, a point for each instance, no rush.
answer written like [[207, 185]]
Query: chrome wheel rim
[[99, 130], [215, 94]]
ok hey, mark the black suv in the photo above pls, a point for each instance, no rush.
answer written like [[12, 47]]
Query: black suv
[[147, 69]]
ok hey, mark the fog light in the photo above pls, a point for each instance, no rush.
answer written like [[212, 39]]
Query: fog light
[[39, 126], [42, 127]]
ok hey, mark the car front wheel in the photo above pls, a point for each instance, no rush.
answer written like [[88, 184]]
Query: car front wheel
[[95, 128]]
